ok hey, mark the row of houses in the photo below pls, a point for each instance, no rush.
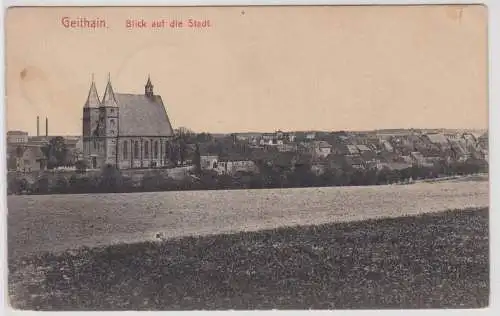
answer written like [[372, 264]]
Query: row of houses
[[343, 150]]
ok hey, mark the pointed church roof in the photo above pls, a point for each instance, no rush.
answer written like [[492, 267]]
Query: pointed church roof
[[109, 96], [93, 100]]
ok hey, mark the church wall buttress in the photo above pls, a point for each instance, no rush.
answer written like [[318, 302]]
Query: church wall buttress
[[109, 121]]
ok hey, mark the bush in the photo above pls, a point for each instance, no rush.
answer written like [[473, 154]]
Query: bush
[[61, 185], [42, 185], [79, 184], [153, 181], [14, 186], [81, 166], [110, 180]]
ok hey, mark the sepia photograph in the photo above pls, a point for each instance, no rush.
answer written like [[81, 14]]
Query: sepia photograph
[[247, 158]]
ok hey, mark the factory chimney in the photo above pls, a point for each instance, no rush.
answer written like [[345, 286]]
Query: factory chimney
[[38, 126], [46, 127]]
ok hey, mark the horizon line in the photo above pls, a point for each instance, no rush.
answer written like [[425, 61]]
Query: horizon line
[[293, 131]]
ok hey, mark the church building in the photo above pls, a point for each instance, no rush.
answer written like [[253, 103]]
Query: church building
[[125, 130]]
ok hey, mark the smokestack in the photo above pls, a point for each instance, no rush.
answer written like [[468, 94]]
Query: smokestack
[[46, 127], [38, 126]]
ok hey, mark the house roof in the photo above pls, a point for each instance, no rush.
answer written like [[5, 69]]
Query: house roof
[[352, 149], [398, 165], [17, 133], [354, 160], [437, 138], [417, 155], [140, 115], [363, 147], [484, 136], [323, 144]]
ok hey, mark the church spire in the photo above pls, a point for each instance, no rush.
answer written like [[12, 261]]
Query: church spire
[[148, 90], [93, 100], [109, 96]]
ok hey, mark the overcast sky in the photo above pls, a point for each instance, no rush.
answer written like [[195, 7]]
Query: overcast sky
[[288, 68]]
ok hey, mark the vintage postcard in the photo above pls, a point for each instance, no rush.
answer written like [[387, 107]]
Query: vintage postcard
[[247, 158]]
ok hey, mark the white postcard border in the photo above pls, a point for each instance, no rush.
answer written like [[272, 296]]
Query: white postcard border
[[494, 132]]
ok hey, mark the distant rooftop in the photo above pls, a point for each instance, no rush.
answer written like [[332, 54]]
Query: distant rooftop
[[17, 133]]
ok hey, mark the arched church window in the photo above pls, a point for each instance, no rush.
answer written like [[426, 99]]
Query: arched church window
[[125, 149], [146, 149], [156, 150], [136, 149], [112, 123]]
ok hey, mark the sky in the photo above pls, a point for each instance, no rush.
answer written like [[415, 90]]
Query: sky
[[256, 68]]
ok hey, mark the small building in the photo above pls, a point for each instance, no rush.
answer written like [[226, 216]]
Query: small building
[[387, 146], [234, 163], [209, 162], [310, 135], [393, 165], [287, 147], [321, 149], [17, 137]]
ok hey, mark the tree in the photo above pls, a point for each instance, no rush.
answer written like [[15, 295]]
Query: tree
[[110, 179], [14, 185], [185, 134], [15, 154], [56, 152], [81, 166], [182, 151], [42, 185], [204, 138], [197, 160], [79, 184], [61, 184]]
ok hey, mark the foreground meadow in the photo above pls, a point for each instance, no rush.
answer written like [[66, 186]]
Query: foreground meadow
[[438, 260], [61, 222]]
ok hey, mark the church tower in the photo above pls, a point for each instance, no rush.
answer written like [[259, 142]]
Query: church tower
[[109, 124], [148, 89], [90, 123]]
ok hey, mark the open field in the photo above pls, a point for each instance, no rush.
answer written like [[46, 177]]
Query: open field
[[438, 260], [61, 222]]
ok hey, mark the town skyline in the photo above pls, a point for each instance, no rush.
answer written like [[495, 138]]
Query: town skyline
[[478, 129], [333, 68]]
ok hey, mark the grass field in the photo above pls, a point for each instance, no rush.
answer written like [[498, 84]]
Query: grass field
[[436, 260]]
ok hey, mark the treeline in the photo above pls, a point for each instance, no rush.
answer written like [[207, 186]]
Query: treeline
[[111, 180]]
